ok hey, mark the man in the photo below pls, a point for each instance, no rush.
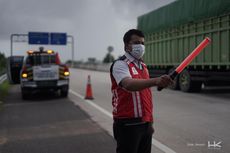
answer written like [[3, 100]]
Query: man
[[132, 98]]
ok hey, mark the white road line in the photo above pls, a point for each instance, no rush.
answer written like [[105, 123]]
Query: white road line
[[92, 104], [156, 143]]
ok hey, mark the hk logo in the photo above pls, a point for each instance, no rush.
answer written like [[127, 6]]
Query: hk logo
[[215, 145]]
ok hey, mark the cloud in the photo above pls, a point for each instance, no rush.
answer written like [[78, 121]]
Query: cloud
[[95, 25]]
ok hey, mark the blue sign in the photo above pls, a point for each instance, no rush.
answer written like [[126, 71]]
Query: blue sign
[[58, 38], [38, 38]]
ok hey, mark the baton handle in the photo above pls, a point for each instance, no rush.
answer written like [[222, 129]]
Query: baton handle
[[172, 75]]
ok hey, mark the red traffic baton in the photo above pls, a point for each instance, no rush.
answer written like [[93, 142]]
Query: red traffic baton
[[188, 59]]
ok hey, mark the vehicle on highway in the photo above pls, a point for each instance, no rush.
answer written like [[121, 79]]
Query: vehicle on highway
[[42, 71], [173, 31], [13, 68]]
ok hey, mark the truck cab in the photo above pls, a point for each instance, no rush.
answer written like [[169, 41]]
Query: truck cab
[[42, 71], [14, 66]]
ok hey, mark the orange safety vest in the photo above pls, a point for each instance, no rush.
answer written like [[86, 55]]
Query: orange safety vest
[[132, 104]]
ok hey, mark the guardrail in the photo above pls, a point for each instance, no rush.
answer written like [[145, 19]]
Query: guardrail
[[3, 78], [96, 67]]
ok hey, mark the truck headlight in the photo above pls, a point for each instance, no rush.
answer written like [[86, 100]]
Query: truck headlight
[[66, 73], [24, 75]]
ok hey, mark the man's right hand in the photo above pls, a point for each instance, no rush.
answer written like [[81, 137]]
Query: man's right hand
[[163, 81]]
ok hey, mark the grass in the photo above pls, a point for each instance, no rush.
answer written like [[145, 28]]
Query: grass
[[2, 70], [3, 92]]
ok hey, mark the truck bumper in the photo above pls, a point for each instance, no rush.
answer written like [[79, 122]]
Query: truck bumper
[[45, 84]]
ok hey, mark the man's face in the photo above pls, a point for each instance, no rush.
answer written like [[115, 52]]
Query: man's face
[[134, 40]]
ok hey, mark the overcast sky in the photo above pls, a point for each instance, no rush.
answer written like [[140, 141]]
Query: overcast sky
[[95, 24]]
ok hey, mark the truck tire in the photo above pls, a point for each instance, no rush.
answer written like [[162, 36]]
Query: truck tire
[[175, 85], [186, 84], [64, 91]]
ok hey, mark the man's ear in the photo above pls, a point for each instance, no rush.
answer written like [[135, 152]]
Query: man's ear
[[126, 48]]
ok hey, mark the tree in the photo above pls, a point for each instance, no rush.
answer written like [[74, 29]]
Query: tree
[[2, 62], [109, 57]]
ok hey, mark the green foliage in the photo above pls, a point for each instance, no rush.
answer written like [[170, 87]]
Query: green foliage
[[108, 58], [2, 63], [4, 89], [110, 49]]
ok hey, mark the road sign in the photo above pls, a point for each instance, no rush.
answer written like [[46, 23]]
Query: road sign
[[38, 38], [58, 38]]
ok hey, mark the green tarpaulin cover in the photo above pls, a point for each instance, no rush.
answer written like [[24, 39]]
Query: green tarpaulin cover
[[181, 12]]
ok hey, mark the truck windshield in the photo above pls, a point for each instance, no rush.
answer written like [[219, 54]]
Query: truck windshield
[[17, 59], [40, 59]]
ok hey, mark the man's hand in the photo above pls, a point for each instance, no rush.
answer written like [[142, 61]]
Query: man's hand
[[163, 81], [131, 84]]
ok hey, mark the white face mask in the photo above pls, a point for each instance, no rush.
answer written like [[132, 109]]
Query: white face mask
[[138, 50]]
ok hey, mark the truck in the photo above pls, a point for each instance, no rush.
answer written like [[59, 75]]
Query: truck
[[14, 66], [43, 71], [173, 31]]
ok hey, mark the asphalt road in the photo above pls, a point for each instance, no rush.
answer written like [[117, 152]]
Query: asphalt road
[[47, 123], [184, 122]]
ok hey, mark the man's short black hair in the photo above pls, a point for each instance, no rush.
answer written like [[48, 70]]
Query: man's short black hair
[[128, 34]]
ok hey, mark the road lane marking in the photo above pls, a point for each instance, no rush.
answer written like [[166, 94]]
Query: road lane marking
[[90, 102]]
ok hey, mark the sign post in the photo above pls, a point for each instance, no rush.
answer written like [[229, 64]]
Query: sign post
[[72, 42]]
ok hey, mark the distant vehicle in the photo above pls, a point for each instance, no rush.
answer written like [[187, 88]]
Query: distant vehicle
[[14, 66], [42, 70], [173, 31]]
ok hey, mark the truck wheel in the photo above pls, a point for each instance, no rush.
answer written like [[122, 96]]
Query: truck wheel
[[25, 94], [186, 84], [64, 92], [175, 85]]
